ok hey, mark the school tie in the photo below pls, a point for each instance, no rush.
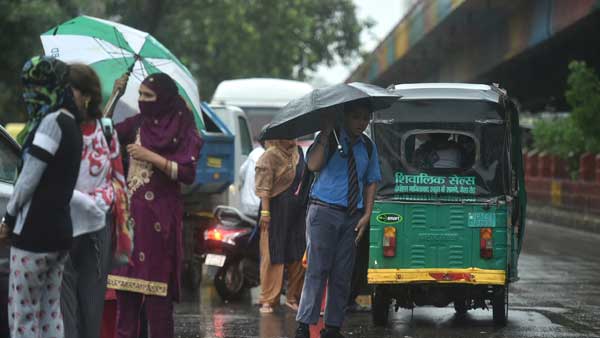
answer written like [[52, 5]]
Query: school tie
[[352, 184]]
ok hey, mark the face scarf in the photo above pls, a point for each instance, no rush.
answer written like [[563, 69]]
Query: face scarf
[[45, 90], [167, 125]]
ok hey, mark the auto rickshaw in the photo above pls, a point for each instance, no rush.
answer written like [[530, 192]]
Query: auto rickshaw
[[449, 216]]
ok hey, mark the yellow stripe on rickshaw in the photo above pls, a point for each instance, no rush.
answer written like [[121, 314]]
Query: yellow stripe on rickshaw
[[473, 276]]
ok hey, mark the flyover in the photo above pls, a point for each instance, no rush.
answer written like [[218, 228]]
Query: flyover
[[524, 45]]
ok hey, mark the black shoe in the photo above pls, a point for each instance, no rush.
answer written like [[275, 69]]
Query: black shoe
[[331, 333], [353, 307], [302, 331]]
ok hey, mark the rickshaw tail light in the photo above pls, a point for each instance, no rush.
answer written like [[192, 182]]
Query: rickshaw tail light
[[389, 242], [486, 243]]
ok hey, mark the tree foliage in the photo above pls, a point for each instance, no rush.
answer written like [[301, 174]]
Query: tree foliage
[[560, 137], [583, 95], [21, 23], [260, 38], [570, 137], [216, 39]]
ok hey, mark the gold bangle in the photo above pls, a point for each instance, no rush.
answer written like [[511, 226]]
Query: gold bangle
[[265, 213], [174, 170]]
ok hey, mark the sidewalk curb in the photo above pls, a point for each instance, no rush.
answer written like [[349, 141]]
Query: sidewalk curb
[[564, 218]]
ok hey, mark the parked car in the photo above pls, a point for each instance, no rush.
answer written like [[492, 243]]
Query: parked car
[[9, 162]]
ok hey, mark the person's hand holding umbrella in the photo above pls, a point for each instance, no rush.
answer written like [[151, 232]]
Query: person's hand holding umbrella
[[118, 91], [327, 123], [318, 155]]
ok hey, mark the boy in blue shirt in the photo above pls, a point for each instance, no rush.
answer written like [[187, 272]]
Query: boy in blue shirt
[[341, 202]]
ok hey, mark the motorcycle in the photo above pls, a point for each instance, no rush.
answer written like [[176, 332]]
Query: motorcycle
[[232, 247]]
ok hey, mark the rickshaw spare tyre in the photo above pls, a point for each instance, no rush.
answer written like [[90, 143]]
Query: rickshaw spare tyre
[[500, 305], [380, 308], [229, 281]]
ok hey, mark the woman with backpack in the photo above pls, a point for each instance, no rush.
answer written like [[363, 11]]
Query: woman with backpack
[[86, 269], [281, 176]]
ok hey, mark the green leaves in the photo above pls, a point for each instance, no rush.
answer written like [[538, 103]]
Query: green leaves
[[583, 95], [215, 39], [260, 38], [560, 137], [21, 22], [570, 137]]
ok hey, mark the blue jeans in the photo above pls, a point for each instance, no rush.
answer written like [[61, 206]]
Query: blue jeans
[[331, 250]]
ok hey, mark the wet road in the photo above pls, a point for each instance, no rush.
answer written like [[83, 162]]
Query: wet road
[[558, 296]]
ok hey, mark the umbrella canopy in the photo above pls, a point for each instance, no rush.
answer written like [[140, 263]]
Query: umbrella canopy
[[113, 49], [302, 116]]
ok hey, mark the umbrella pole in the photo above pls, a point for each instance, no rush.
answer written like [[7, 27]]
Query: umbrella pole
[[339, 145], [112, 101]]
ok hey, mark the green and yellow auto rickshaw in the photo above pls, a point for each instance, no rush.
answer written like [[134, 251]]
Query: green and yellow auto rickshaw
[[449, 216]]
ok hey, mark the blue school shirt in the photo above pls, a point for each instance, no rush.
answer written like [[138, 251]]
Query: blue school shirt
[[331, 185]]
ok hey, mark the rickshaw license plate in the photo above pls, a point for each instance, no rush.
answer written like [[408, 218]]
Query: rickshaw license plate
[[215, 260], [481, 220]]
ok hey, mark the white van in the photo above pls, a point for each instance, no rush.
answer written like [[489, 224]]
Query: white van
[[260, 98]]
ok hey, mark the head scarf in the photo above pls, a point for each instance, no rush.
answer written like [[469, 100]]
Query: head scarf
[[45, 90], [167, 124], [276, 168], [284, 150]]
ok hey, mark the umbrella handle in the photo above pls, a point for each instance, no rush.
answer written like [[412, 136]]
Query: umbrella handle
[[339, 145], [112, 101]]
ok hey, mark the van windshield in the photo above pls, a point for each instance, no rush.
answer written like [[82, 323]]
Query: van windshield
[[259, 116], [226, 116]]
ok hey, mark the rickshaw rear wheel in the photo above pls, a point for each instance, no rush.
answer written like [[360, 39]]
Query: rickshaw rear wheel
[[461, 306], [381, 306], [500, 305]]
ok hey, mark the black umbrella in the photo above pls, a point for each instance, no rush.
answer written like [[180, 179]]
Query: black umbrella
[[302, 116]]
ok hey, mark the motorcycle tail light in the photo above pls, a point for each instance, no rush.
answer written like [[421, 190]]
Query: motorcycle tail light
[[486, 243], [213, 234], [389, 242], [224, 235]]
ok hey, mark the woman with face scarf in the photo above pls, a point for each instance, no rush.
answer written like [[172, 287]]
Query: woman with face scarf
[[280, 175], [163, 146], [37, 214]]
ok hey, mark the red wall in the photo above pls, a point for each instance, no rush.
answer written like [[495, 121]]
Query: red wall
[[547, 182]]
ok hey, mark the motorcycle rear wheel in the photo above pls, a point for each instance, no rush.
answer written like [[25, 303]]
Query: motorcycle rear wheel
[[229, 281]]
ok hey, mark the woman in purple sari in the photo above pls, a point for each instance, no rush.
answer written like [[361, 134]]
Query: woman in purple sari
[[163, 146]]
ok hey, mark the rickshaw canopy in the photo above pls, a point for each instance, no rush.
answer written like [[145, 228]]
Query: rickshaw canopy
[[478, 117]]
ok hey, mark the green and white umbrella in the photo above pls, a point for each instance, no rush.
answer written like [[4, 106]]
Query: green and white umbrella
[[113, 49]]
